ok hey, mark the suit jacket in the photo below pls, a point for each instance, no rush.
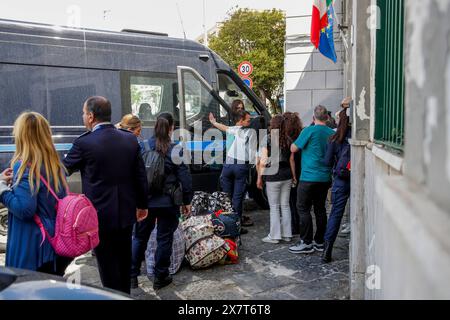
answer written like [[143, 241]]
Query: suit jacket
[[113, 174]]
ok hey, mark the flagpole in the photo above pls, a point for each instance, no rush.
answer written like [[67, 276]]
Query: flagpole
[[341, 33]]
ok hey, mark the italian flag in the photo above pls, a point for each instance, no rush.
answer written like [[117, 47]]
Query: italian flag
[[319, 19]]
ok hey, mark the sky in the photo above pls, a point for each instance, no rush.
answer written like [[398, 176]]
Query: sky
[[150, 15]]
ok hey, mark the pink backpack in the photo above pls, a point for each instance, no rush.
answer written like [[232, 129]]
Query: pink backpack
[[76, 229]]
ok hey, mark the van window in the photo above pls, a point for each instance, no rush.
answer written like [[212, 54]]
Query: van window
[[230, 91], [147, 94], [199, 103], [55, 92]]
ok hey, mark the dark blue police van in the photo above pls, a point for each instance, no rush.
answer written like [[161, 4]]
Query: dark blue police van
[[53, 70]]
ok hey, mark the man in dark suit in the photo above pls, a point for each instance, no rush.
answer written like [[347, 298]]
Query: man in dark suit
[[114, 179]]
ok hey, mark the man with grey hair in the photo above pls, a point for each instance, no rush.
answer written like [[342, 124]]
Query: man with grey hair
[[315, 180]]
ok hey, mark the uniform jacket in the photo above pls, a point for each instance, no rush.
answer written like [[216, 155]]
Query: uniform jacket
[[113, 174]]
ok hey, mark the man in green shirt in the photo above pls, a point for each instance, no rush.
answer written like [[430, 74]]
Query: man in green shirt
[[315, 180]]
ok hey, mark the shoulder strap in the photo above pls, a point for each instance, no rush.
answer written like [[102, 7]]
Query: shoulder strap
[[147, 145], [44, 232], [49, 188]]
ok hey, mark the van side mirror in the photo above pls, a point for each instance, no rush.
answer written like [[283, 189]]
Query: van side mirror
[[204, 57], [232, 93]]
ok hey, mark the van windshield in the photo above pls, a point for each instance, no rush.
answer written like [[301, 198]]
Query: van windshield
[[230, 91]]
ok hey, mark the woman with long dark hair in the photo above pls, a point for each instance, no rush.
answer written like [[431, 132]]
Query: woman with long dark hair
[[338, 157], [162, 206], [278, 178], [236, 106], [293, 127]]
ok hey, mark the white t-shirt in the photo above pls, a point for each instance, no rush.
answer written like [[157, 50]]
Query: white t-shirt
[[244, 145]]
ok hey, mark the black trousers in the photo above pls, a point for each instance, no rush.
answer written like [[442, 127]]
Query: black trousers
[[114, 258], [311, 194], [295, 217], [167, 219]]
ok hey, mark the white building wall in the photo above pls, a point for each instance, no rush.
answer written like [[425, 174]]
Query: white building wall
[[403, 222], [310, 78]]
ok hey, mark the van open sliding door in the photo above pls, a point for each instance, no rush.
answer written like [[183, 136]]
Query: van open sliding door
[[205, 144]]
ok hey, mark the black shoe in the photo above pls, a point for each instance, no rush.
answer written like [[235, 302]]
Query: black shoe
[[161, 283], [247, 222], [327, 252], [134, 282], [244, 231], [318, 246]]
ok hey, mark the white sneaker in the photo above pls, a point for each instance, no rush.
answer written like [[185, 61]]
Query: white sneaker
[[287, 239], [301, 248], [270, 240], [345, 228]]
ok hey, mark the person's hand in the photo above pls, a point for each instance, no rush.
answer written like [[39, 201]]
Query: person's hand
[[187, 210], [260, 184], [7, 175], [212, 119], [295, 181], [346, 102], [141, 214]]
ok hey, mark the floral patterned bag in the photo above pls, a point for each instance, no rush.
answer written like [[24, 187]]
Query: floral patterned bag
[[199, 203], [203, 247], [220, 201], [207, 252], [196, 229]]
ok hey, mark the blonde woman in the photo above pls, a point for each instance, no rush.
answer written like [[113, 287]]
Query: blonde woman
[[35, 157], [131, 123]]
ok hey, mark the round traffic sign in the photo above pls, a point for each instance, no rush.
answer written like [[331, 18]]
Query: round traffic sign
[[245, 69], [248, 82]]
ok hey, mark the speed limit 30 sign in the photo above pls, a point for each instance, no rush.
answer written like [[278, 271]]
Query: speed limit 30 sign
[[245, 69]]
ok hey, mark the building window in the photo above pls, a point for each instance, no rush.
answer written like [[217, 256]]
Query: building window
[[389, 76]]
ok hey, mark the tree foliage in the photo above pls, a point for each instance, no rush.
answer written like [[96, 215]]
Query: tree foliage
[[258, 37]]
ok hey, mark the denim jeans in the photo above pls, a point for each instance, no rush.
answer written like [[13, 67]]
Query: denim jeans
[[339, 196], [278, 194], [312, 194], [167, 224], [233, 181]]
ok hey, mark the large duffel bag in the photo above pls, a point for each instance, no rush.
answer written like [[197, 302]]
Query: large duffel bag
[[220, 201], [199, 203], [203, 247], [207, 252], [226, 224], [196, 228], [232, 257], [178, 251]]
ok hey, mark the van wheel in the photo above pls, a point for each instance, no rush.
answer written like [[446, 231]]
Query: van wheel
[[3, 221]]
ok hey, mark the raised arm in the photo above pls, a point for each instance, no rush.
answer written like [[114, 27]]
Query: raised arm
[[216, 124]]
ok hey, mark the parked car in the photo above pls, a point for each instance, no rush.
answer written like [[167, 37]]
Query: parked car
[[18, 284]]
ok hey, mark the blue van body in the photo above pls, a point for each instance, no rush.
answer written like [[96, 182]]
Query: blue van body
[[53, 70]]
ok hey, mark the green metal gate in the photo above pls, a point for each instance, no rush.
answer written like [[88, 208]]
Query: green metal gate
[[389, 75]]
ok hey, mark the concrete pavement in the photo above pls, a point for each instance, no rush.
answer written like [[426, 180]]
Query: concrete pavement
[[265, 272]]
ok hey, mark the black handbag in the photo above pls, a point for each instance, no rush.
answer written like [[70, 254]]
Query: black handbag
[[175, 192]]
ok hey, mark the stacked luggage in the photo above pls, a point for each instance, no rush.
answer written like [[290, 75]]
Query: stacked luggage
[[212, 231], [178, 251]]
